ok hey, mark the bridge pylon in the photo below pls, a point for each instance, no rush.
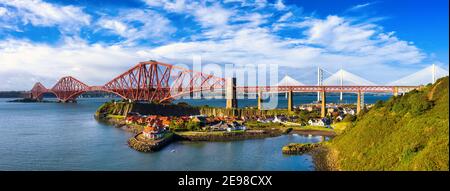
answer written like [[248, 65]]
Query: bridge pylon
[[358, 102], [230, 93], [319, 81], [259, 97], [323, 109], [290, 100], [395, 90]]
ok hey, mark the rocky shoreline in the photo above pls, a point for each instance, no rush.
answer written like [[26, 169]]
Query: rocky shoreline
[[324, 158], [138, 143], [299, 148], [229, 136]]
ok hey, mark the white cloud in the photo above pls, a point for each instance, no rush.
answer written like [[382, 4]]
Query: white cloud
[[285, 17], [40, 13], [116, 26], [280, 5], [212, 16], [335, 34], [360, 6], [170, 5], [153, 25], [93, 64], [260, 3], [3, 11], [216, 20]]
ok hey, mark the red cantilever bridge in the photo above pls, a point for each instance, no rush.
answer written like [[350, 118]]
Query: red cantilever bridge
[[155, 81], [147, 81]]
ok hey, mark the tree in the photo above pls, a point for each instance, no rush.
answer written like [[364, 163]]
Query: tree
[[193, 126]]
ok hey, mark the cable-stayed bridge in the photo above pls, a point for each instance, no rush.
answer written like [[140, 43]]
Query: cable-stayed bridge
[[425, 76]]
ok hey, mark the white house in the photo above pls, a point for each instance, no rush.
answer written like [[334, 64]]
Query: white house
[[316, 122], [276, 120], [236, 127], [349, 111]]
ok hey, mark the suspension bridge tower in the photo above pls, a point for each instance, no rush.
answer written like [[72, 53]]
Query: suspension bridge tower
[[433, 73], [319, 81]]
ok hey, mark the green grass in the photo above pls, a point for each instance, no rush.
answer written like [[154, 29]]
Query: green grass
[[256, 124], [341, 126], [409, 132]]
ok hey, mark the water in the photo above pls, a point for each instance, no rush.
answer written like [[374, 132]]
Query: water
[[52, 136], [281, 102]]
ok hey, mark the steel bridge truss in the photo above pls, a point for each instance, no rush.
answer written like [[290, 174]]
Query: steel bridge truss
[[150, 81]]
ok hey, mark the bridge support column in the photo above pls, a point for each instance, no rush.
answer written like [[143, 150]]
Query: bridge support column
[[230, 93], [395, 91], [290, 101], [323, 108], [259, 100], [358, 102]]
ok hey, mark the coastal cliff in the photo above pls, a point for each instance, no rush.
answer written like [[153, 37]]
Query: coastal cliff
[[409, 132]]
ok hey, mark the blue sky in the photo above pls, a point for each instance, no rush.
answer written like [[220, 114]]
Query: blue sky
[[382, 41]]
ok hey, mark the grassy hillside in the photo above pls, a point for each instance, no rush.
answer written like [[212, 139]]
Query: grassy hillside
[[409, 132]]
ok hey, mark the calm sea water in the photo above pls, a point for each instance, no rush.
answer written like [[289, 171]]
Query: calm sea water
[[53, 136]]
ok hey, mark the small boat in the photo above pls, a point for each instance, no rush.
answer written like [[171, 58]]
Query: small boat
[[172, 151]]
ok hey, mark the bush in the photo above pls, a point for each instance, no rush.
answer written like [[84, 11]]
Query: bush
[[378, 104], [349, 118], [192, 126]]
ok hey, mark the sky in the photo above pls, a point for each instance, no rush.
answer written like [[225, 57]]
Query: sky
[[94, 41]]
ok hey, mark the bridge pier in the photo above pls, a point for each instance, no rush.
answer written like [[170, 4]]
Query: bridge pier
[[259, 97], [395, 91], [230, 93], [323, 105], [290, 100], [358, 102]]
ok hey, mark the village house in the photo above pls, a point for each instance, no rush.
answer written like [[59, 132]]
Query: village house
[[324, 122], [349, 111], [165, 121], [265, 120], [154, 131], [279, 119], [315, 122], [235, 126], [131, 119], [221, 126]]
